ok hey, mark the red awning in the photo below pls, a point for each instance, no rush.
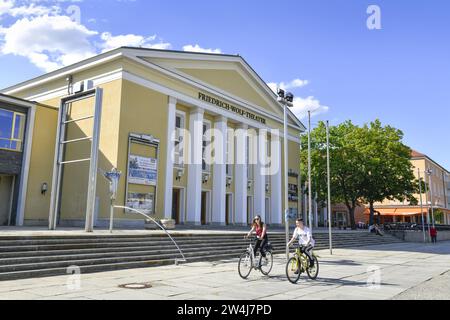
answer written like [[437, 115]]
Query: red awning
[[412, 211]]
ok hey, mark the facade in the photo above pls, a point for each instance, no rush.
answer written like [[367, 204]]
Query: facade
[[198, 138], [16, 117], [436, 195]]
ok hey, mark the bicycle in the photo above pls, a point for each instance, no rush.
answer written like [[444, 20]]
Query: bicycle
[[248, 261], [298, 264]]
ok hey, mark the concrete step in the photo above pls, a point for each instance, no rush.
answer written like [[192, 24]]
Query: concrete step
[[35, 257]]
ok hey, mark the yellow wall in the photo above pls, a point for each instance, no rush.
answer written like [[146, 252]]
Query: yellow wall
[[41, 164], [143, 111]]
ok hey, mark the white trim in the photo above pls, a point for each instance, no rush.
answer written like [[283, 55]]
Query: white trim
[[14, 101], [170, 151], [78, 67], [20, 217], [62, 91], [224, 93], [194, 102], [196, 84]]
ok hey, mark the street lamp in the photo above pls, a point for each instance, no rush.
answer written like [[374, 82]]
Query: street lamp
[[429, 172], [287, 100]]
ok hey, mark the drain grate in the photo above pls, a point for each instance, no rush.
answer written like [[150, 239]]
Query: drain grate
[[136, 286]]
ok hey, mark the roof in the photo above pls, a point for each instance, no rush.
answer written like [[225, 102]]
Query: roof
[[122, 51], [417, 155], [16, 100]]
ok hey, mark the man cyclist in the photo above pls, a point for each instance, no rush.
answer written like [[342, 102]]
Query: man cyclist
[[305, 240], [260, 228]]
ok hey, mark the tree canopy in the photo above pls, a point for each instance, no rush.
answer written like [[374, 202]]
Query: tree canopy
[[369, 164]]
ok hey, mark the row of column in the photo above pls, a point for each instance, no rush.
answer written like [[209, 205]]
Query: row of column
[[194, 187]]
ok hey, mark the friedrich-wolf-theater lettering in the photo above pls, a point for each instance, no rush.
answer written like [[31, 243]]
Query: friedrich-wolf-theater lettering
[[229, 107]]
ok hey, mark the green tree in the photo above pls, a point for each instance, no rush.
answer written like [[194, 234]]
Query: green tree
[[368, 164], [387, 162]]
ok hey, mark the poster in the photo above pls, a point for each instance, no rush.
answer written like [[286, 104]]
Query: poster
[[142, 170], [140, 201]]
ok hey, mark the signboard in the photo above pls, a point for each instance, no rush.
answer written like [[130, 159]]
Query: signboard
[[232, 108], [143, 171], [141, 201]]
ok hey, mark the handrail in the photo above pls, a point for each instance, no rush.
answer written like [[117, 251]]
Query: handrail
[[150, 218]]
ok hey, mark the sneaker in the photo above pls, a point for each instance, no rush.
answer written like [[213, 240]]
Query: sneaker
[[311, 264], [296, 272]]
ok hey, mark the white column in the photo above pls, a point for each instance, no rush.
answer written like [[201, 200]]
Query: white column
[[168, 188], [240, 179], [194, 190], [259, 174], [275, 180], [219, 183]]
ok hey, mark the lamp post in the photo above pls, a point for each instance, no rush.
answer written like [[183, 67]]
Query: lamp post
[[429, 173], [113, 177], [286, 99], [309, 173], [421, 207], [329, 187]]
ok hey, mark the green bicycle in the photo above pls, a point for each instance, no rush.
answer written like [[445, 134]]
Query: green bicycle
[[298, 264]]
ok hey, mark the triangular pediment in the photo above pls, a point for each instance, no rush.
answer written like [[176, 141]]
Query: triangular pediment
[[227, 76]]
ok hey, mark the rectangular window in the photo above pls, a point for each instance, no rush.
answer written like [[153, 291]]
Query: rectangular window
[[12, 129], [179, 140]]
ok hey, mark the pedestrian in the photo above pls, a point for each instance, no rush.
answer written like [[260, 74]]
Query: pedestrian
[[433, 234]]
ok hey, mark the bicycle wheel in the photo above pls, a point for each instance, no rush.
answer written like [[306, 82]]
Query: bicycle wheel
[[293, 270], [245, 265], [267, 263], [314, 271]]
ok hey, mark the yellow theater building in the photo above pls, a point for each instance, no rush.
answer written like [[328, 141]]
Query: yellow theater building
[[159, 117]]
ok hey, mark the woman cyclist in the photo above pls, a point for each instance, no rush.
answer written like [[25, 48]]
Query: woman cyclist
[[260, 228]]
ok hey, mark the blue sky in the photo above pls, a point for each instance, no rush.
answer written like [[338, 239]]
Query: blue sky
[[399, 74]]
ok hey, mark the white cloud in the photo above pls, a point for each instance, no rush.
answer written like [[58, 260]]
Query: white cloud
[[111, 42], [50, 39], [197, 48], [49, 42], [296, 83], [303, 105]]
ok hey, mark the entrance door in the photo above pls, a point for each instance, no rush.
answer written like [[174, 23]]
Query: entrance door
[[6, 187], [176, 206], [228, 209], [205, 207], [268, 217], [249, 210]]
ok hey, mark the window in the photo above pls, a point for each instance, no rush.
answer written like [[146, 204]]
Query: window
[[179, 140], [12, 129], [206, 140]]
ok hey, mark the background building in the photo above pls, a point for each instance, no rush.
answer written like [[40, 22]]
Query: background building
[[436, 195], [156, 111]]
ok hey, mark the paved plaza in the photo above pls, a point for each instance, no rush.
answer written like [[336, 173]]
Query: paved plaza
[[394, 271]]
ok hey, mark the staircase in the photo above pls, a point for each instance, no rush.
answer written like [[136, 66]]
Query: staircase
[[39, 256]]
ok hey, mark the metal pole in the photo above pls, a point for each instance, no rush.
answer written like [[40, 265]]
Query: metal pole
[[426, 199], [300, 186], [309, 172], [421, 207], [111, 217], [431, 200], [286, 182], [329, 187]]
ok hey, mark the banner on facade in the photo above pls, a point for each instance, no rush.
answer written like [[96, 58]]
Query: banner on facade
[[142, 170], [140, 201]]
